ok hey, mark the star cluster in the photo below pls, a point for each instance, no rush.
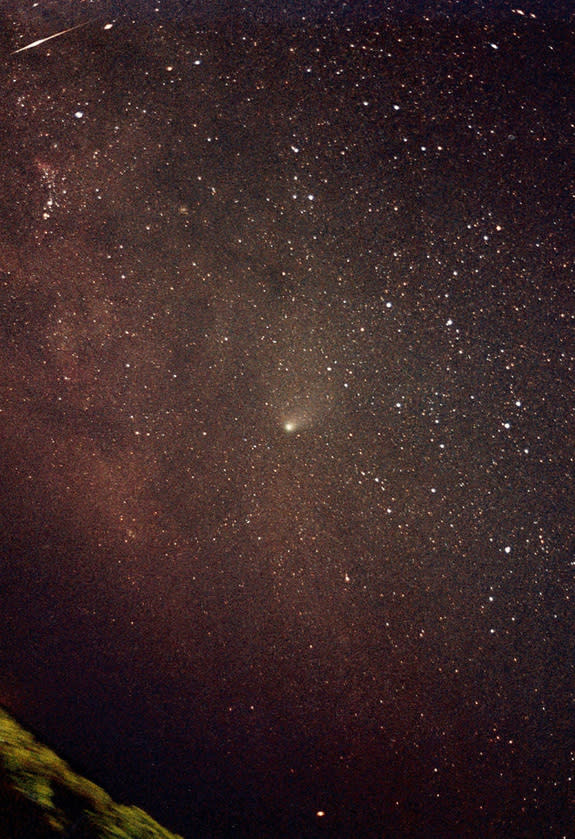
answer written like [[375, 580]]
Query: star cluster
[[286, 418]]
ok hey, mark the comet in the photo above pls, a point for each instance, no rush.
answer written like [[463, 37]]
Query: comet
[[49, 38]]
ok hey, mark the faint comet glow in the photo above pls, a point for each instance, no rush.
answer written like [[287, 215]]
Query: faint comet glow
[[286, 427]]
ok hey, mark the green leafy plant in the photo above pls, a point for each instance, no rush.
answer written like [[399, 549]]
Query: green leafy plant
[[41, 796]]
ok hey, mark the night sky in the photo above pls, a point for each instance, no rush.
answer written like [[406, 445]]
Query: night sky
[[286, 410]]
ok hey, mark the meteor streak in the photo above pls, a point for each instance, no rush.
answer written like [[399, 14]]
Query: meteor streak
[[49, 38]]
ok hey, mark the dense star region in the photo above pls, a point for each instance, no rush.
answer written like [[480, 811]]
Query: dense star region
[[286, 411]]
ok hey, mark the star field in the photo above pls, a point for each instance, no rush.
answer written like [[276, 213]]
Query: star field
[[286, 412]]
